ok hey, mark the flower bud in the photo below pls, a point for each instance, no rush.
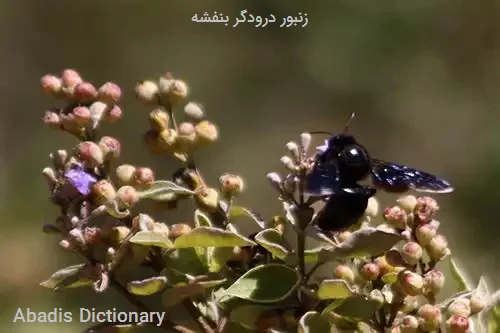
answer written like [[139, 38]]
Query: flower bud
[[143, 177], [193, 111], [143, 222], [65, 244], [408, 324], [71, 78], [477, 304], [372, 207], [174, 91], [412, 252], [85, 92], [433, 282], [293, 148], [127, 196], [231, 185], [147, 92], [162, 228], [410, 304], [424, 234], [457, 324], [411, 283], [177, 230], [125, 173], [92, 235], [50, 176], [110, 147], [113, 114], [395, 258], [59, 158], [167, 140], [370, 271], [159, 119], [383, 265], [438, 248], [406, 235], [343, 235], [76, 237], [81, 115], [305, 142], [288, 163], [103, 192], [152, 141], [51, 85], [110, 93], [407, 202], [425, 209], [429, 317], [275, 180], [52, 120], [396, 217], [187, 136], [206, 132], [208, 199], [460, 307], [376, 295], [90, 153], [344, 272]]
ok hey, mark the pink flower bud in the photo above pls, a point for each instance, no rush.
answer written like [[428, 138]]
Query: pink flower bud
[[425, 209], [71, 78], [433, 282], [231, 185], [396, 217], [412, 252], [344, 272], [408, 324], [81, 115], [147, 92], [411, 283], [370, 271], [193, 111], [85, 92], [127, 196], [76, 236], [206, 132], [407, 202], [110, 93], [52, 120], [178, 230], [457, 324], [146, 223], [143, 177], [113, 114], [110, 147], [460, 307], [438, 248], [125, 173], [424, 234], [51, 85], [429, 317], [90, 153], [173, 91], [103, 192]]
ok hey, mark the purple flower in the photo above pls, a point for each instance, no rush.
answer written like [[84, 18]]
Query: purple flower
[[80, 179]]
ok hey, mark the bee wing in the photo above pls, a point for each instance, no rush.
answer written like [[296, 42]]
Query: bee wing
[[393, 177]]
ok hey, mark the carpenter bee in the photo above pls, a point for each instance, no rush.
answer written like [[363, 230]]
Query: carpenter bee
[[338, 167]]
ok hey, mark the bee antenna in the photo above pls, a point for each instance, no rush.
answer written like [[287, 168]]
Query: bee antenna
[[348, 123], [320, 132]]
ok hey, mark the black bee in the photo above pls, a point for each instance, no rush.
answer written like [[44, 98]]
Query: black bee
[[341, 163]]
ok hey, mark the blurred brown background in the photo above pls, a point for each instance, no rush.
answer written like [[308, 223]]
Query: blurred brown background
[[422, 76]]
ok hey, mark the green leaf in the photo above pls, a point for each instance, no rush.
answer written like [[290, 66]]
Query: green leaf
[[332, 306], [218, 257], [333, 289], [206, 237], [493, 320], [298, 216], [207, 281], [177, 294], [247, 315], [183, 261], [152, 238], [357, 307], [265, 284], [164, 190], [237, 211], [201, 219], [148, 286], [313, 322], [273, 241], [362, 243], [68, 277], [458, 276], [390, 278]]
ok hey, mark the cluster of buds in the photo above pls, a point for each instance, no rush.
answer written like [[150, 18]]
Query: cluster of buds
[[86, 106], [165, 134]]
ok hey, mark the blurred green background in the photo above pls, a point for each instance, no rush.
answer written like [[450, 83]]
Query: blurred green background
[[423, 77]]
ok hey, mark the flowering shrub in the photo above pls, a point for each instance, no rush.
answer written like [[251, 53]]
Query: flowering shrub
[[231, 270]]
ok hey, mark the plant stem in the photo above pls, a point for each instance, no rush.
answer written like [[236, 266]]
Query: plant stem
[[301, 240]]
